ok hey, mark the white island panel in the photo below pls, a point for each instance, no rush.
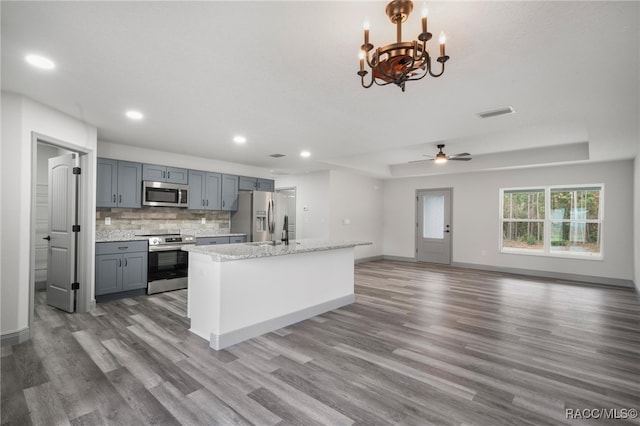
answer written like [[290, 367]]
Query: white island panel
[[229, 302]]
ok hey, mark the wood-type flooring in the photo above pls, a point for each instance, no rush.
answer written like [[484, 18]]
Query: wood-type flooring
[[421, 345]]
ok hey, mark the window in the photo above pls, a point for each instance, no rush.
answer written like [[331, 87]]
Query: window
[[562, 221]]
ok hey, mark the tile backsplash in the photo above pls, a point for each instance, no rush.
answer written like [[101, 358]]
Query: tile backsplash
[[160, 218]]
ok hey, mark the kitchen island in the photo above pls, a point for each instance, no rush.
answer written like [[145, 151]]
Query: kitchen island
[[241, 291]]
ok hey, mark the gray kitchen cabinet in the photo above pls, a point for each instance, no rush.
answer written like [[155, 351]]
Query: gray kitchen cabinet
[[106, 183], [204, 190], [121, 267], [206, 241], [266, 185], [155, 173], [229, 193], [118, 183], [256, 184]]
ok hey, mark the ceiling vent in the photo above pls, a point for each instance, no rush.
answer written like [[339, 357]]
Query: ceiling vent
[[277, 155], [496, 112]]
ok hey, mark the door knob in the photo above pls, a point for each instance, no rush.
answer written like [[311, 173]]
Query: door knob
[[48, 238]]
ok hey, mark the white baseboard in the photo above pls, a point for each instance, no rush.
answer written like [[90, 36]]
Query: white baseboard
[[225, 340], [15, 337]]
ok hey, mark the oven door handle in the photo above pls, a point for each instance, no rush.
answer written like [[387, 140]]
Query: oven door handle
[[168, 248]]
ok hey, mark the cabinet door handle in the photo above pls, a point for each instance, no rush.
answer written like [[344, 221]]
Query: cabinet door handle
[[119, 263], [203, 202], [207, 202], [164, 174], [123, 248], [114, 198], [119, 198], [125, 261], [168, 175], [222, 203]]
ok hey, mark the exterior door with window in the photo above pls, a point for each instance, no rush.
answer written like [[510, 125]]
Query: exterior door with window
[[433, 226]]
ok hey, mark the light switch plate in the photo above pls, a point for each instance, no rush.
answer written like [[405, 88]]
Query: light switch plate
[[203, 220], [107, 221]]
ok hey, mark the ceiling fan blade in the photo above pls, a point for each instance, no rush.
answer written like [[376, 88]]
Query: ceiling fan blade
[[462, 154], [421, 161], [460, 159], [430, 156]]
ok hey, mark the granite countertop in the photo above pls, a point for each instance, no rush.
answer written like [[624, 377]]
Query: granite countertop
[[223, 253], [132, 235]]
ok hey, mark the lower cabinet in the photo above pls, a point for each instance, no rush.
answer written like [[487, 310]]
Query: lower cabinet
[[205, 241], [121, 267]]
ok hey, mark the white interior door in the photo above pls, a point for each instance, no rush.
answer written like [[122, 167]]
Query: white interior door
[[61, 261], [433, 230]]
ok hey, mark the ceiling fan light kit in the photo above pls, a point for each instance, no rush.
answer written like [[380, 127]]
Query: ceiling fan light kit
[[442, 158], [399, 62]]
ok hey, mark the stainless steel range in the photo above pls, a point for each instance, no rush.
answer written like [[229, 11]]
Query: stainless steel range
[[168, 264]]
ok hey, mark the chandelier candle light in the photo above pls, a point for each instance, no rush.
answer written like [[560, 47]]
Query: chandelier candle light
[[399, 62]]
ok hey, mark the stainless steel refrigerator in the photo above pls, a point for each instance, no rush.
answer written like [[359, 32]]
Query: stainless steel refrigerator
[[255, 216]]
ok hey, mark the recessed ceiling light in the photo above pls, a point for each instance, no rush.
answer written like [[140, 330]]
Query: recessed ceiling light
[[305, 154], [135, 115], [239, 139], [40, 62]]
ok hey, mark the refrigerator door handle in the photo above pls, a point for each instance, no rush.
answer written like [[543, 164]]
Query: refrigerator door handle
[[270, 218]]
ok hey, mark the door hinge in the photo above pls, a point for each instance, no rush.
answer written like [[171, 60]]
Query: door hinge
[[75, 286], [75, 228], [76, 170]]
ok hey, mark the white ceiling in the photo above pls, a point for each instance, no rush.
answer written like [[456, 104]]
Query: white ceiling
[[284, 75]]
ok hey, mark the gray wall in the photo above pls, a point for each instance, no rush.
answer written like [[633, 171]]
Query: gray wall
[[476, 224]]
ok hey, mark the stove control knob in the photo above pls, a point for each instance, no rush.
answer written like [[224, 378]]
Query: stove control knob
[[155, 241]]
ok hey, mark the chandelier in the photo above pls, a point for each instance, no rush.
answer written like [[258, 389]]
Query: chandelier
[[399, 62]]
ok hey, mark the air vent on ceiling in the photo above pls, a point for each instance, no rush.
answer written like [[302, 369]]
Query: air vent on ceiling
[[495, 112], [277, 155]]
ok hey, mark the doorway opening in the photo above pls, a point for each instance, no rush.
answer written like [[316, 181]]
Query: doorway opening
[[433, 225], [286, 205], [54, 162]]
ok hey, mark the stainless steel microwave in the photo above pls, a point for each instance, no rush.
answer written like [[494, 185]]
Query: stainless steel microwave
[[163, 194]]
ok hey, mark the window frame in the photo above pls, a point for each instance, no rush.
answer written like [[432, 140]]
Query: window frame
[[547, 221]]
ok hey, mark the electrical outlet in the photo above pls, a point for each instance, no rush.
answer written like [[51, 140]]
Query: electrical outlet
[[107, 221], [203, 220], [305, 208]]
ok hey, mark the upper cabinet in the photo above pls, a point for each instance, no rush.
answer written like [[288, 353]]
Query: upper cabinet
[[118, 184], [212, 191], [256, 184], [157, 173], [229, 192], [204, 190]]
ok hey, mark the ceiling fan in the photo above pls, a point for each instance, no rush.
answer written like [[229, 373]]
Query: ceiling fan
[[441, 157]]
